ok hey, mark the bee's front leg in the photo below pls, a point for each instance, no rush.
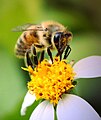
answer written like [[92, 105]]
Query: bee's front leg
[[60, 52], [60, 55], [67, 52]]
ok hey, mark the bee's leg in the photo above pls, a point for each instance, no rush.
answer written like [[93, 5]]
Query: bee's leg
[[50, 54], [42, 55], [60, 55], [28, 61], [34, 55], [67, 52]]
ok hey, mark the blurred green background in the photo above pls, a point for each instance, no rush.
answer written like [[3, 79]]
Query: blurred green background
[[82, 17]]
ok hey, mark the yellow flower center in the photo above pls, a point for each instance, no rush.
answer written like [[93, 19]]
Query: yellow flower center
[[50, 81]]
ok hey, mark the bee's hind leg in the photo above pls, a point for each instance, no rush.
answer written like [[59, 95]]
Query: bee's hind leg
[[34, 55], [67, 52], [27, 59], [31, 58]]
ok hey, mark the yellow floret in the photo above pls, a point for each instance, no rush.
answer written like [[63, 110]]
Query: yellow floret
[[51, 81]]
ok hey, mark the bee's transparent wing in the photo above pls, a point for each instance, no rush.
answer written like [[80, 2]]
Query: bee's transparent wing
[[27, 27], [22, 28]]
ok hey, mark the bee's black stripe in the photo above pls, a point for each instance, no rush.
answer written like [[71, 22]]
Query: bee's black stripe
[[21, 41], [20, 50], [20, 46], [38, 46]]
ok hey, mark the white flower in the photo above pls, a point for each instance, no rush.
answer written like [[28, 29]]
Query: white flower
[[70, 107]]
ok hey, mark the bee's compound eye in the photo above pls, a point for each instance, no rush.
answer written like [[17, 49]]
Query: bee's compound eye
[[57, 37], [69, 34]]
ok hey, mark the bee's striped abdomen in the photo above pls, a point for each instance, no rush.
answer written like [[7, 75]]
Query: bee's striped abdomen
[[24, 43]]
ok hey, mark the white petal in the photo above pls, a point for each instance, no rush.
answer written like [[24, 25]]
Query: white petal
[[28, 101], [44, 111], [72, 107], [89, 67]]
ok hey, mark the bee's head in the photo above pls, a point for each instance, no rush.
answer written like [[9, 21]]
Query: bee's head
[[61, 39]]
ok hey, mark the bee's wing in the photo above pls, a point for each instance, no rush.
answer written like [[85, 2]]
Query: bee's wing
[[21, 28], [28, 27]]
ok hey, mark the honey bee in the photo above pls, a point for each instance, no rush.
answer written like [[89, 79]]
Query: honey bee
[[47, 36]]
